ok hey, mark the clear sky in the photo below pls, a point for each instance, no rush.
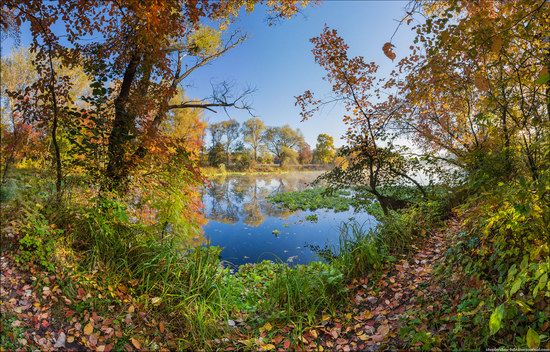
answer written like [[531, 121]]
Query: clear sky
[[277, 60]]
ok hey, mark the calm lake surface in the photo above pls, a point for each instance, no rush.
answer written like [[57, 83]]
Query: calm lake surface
[[251, 229]]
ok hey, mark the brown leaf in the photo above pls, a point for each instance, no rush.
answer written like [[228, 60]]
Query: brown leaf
[[383, 330], [496, 45], [481, 82], [277, 339], [161, 327]]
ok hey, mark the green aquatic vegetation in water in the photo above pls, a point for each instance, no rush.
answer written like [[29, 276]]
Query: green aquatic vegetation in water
[[313, 199], [312, 218]]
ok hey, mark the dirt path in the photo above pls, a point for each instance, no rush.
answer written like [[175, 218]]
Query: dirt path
[[378, 309]]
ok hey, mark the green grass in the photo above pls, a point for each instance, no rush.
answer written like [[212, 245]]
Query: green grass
[[361, 251], [192, 285]]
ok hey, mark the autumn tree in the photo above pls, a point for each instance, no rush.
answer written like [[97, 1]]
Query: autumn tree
[[283, 139], [477, 84], [252, 130], [216, 133], [324, 149], [305, 154], [148, 50], [17, 75], [230, 130], [369, 151]]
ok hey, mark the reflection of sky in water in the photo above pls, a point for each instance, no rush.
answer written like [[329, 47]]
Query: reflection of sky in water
[[242, 221]]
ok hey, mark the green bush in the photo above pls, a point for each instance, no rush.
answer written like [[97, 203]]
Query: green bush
[[38, 239], [8, 190]]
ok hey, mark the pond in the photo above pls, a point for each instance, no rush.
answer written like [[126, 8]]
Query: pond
[[250, 229]]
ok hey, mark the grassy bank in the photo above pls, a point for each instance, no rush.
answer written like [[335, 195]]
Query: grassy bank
[[95, 248], [263, 170]]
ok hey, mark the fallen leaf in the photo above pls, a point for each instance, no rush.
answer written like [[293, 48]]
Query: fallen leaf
[[136, 343], [156, 301], [161, 327], [89, 328], [286, 344], [267, 327], [268, 347], [60, 342], [383, 330]]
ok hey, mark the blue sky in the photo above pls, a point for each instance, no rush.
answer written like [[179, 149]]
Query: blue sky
[[277, 60]]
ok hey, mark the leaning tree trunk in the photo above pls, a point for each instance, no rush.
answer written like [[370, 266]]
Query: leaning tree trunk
[[117, 172]]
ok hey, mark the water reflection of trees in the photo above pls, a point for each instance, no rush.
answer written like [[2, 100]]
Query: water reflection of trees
[[243, 198]]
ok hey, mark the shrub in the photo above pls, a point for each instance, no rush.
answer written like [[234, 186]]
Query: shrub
[[38, 239]]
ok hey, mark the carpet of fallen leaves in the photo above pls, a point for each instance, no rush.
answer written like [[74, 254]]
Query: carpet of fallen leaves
[[372, 319], [36, 315]]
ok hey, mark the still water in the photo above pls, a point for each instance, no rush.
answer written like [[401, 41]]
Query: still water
[[251, 229]]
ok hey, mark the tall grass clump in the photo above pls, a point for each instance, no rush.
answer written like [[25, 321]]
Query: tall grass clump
[[360, 250], [298, 294], [185, 283]]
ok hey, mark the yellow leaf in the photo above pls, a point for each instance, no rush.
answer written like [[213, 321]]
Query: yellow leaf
[[89, 328], [267, 327], [313, 333], [156, 301], [367, 314], [268, 347], [131, 309]]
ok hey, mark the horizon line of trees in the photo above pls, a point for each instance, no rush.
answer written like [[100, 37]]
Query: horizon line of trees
[[242, 146]]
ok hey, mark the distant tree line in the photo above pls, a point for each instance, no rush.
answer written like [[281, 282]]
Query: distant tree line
[[241, 146]]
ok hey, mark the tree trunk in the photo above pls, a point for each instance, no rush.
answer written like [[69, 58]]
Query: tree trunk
[[117, 169], [57, 152]]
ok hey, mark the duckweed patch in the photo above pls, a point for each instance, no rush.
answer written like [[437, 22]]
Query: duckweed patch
[[314, 199]]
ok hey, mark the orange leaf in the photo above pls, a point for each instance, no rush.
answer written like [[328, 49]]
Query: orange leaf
[[388, 50], [136, 343], [89, 328]]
